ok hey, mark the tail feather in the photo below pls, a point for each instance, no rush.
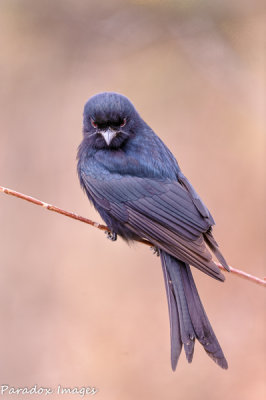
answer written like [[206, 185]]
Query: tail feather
[[188, 319], [176, 343]]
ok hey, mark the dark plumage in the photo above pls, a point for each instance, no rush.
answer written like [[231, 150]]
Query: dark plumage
[[136, 185]]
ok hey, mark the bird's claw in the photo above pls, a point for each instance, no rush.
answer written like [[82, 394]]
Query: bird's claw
[[155, 250], [111, 235]]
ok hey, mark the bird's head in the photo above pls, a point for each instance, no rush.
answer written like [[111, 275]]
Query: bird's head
[[108, 120]]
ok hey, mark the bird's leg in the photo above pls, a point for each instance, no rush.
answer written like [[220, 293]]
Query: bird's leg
[[111, 235], [155, 250]]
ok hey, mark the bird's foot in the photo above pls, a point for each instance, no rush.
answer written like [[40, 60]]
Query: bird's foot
[[111, 235], [155, 250]]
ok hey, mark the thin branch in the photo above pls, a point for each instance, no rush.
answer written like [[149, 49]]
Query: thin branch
[[58, 210]]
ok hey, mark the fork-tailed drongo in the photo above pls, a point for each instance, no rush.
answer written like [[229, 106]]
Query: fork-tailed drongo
[[136, 185]]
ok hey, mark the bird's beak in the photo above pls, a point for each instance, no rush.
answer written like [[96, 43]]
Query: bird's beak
[[108, 135]]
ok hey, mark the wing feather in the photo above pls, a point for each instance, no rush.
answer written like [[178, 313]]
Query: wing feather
[[164, 212]]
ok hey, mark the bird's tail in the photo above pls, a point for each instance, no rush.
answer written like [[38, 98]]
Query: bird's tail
[[188, 320]]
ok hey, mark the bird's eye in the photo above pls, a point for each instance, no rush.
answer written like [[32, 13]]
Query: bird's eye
[[123, 123], [94, 123]]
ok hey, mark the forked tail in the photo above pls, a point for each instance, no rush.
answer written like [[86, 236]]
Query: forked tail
[[188, 320]]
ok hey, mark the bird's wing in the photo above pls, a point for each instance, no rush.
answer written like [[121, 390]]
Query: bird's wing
[[161, 211]]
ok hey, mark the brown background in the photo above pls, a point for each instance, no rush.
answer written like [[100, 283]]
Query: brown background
[[76, 309]]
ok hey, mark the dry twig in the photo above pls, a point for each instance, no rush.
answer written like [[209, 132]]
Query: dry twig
[[58, 210]]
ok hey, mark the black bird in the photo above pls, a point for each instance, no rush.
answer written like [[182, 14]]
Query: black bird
[[136, 185]]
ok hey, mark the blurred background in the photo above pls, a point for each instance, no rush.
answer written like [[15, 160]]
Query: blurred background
[[76, 309]]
